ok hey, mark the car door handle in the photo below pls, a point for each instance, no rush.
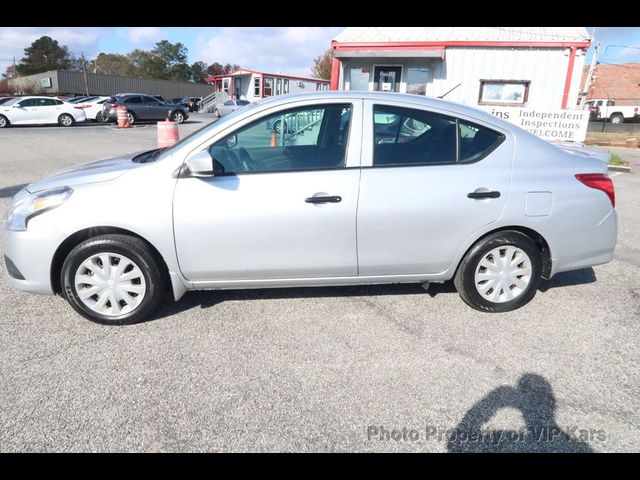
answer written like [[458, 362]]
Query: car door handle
[[327, 199], [478, 195]]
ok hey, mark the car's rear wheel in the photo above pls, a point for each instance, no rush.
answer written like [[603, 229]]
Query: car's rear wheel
[[100, 117], [216, 113], [112, 279], [177, 117], [500, 273], [4, 121], [66, 120], [277, 126], [131, 117], [616, 118]]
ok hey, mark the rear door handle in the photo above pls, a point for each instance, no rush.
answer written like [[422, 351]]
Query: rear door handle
[[327, 199], [477, 195]]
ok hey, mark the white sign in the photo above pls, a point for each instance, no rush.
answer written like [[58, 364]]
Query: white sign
[[550, 125], [45, 82]]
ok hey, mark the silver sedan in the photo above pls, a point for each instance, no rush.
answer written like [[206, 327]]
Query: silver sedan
[[229, 106], [361, 188]]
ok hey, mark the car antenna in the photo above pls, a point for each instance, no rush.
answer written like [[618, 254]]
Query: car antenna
[[447, 93]]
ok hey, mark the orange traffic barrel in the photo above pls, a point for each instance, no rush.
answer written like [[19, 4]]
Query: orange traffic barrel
[[168, 133], [274, 142], [123, 118]]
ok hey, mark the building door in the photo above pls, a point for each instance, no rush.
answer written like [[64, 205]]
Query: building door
[[387, 79], [237, 88]]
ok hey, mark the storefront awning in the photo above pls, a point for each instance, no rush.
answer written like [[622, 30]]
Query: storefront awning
[[381, 52]]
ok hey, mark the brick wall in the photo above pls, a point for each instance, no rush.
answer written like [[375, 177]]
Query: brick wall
[[619, 82]]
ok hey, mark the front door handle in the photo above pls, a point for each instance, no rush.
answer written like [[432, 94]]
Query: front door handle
[[327, 199], [479, 195]]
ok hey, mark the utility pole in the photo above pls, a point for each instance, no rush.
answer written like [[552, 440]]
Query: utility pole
[[84, 72], [592, 67], [15, 74]]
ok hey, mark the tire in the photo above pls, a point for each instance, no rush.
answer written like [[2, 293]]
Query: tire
[[100, 118], [277, 126], [216, 112], [132, 117], [616, 118], [4, 122], [177, 116], [494, 296], [146, 280], [66, 120]]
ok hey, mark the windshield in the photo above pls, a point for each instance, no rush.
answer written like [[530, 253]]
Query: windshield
[[204, 131], [11, 102]]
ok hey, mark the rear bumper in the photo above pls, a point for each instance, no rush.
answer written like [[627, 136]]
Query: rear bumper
[[587, 248]]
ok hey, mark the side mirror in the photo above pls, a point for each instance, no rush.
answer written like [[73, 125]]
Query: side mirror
[[16, 106], [201, 165]]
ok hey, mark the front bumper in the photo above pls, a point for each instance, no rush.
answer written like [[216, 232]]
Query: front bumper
[[31, 252]]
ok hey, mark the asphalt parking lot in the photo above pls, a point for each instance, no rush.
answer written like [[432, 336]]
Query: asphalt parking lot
[[381, 368]]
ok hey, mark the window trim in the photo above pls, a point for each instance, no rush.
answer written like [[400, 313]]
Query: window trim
[[525, 98], [501, 135]]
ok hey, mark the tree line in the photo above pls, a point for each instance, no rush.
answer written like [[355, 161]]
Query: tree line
[[166, 61]]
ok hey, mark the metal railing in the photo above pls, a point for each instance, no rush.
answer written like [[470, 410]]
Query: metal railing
[[208, 104]]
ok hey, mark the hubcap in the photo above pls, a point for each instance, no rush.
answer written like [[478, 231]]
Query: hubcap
[[130, 117], [177, 117], [503, 274], [66, 120], [3, 122], [110, 284]]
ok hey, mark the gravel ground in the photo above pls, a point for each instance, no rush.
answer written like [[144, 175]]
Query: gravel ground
[[384, 368]]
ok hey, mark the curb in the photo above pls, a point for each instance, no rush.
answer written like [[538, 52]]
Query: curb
[[619, 168]]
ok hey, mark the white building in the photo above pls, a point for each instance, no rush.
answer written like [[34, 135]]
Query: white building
[[538, 67], [245, 84]]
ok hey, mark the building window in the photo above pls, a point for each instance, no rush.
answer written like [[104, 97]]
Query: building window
[[417, 81], [256, 87], [278, 86], [503, 92], [359, 78], [268, 86], [225, 85]]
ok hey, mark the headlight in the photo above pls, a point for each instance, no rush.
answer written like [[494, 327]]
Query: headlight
[[35, 204]]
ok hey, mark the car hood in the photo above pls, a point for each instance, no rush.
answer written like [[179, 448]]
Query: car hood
[[580, 149], [99, 171]]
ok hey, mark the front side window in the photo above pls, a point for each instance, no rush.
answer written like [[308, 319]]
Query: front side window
[[29, 102], [150, 101], [503, 92], [228, 103], [306, 138]]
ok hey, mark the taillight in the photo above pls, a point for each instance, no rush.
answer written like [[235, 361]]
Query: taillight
[[599, 181], [79, 108]]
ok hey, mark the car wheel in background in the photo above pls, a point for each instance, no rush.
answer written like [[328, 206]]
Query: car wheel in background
[[131, 117], [100, 117], [277, 126], [217, 113], [500, 273], [112, 279], [177, 116], [4, 121], [66, 120]]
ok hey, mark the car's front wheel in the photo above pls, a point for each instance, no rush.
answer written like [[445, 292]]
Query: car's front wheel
[[66, 120], [112, 279], [177, 117], [4, 122], [500, 273]]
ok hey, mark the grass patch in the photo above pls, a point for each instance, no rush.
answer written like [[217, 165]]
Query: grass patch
[[615, 159]]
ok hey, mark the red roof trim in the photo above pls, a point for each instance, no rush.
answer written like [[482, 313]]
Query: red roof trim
[[280, 75], [457, 43]]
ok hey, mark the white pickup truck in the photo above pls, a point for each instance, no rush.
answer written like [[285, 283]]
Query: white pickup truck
[[603, 109]]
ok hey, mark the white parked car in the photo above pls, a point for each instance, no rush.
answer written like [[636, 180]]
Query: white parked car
[[93, 107], [40, 111]]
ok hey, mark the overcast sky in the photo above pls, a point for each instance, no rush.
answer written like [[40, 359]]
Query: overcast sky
[[275, 49]]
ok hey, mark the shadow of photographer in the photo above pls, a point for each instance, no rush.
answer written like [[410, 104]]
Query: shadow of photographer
[[534, 397]]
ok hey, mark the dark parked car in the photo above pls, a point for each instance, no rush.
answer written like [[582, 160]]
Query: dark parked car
[[191, 103], [144, 107]]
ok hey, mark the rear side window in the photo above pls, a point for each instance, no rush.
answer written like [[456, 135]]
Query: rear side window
[[476, 142], [404, 136], [133, 100]]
